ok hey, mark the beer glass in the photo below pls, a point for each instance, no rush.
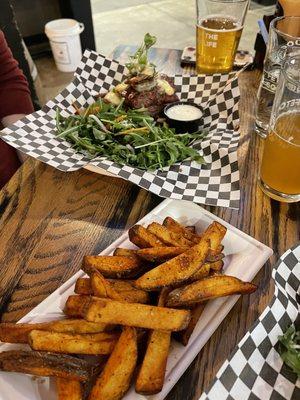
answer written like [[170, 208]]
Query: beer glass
[[218, 32], [284, 38], [280, 168]]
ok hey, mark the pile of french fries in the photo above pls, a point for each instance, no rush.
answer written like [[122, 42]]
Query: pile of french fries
[[125, 312]]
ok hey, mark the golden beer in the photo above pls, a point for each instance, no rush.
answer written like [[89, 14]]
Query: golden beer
[[280, 169], [217, 41]]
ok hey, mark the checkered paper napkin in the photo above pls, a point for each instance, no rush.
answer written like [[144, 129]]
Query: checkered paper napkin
[[215, 183], [255, 370]]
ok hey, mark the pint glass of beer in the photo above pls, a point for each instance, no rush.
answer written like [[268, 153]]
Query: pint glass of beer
[[280, 168], [218, 32]]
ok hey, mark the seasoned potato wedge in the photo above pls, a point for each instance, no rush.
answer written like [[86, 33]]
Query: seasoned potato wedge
[[129, 292], [151, 375], [184, 336], [216, 266], [115, 379], [113, 266], [160, 254], [167, 236], [131, 314], [213, 257], [215, 232], [206, 269], [125, 288], [186, 232], [122, 285], [208, 288], [116, 291], [94, 343], [18, 333], [201, 273], [125, 252], [68, 389], [176, 270], [101, 287], [143, 238], [45, 364], [83, 286]]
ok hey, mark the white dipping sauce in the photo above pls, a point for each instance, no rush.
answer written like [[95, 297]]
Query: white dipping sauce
[[184, 112]]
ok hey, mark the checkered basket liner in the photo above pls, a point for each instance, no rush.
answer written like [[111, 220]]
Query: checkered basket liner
[[255, 370], [215, 183]]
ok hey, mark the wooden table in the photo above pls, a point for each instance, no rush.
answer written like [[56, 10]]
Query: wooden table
[[49, 220]]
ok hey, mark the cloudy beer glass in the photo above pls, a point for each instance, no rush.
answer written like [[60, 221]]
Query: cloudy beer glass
[[218, 32], [284, 40], [280, 168]]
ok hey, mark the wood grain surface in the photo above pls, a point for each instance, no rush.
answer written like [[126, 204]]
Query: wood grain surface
[[49, 220]]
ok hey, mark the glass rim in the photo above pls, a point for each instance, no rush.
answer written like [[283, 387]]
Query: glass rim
[[291, 17]]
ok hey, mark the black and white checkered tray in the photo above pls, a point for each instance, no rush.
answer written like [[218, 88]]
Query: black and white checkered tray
[[255, 370], [215, 183]]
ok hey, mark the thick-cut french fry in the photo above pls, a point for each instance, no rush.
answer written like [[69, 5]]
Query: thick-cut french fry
[[167, 236], [116, 376], [129, 314], [83, 286], [18, 333], [186, 232], [76, 306], [151, 375], [68, 389], [176, 270], [142, 238], [95, 343], [114, 266], [45, 364], [208, 288], [160, 254]]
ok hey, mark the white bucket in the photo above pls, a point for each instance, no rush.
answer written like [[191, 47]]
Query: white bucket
[[63, 35]]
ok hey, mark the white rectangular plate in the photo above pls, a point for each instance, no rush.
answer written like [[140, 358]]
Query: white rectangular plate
[[244, 258]]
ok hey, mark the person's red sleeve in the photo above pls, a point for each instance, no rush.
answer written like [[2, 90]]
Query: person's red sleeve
[[14, 92]]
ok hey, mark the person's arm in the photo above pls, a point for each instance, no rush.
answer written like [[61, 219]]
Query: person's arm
[[15, 100]]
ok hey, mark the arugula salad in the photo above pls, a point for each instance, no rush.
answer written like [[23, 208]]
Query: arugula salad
[[129, 137]]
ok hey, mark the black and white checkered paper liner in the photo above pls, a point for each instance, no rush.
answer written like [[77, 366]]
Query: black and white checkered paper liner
[[215, 183], [255, 370]]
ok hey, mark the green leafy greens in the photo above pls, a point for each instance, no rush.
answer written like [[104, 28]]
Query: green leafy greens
[[139, 61], [129, 137], [289, 349]]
